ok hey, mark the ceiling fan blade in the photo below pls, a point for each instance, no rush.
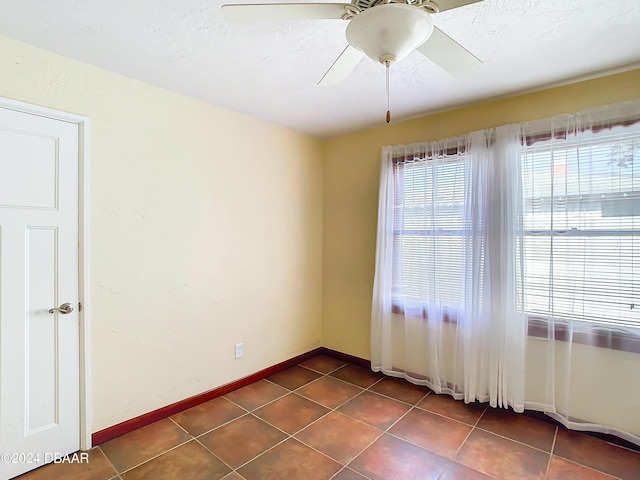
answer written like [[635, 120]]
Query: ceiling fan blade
[[342, 67], [448, 54], [279, 12], [451, 4]]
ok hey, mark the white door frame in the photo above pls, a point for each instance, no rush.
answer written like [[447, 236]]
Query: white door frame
[[83, 253]]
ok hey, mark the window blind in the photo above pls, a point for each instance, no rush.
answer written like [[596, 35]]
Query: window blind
[[581, 252], [429, 231]]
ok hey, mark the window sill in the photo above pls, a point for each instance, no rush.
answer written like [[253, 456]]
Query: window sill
[[447, 317], [584, 334], [594, 335]]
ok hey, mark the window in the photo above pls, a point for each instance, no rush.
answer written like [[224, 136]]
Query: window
[[581, 254], [430, 233]]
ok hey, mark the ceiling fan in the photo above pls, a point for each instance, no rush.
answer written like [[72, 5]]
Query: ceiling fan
[[384, 30]]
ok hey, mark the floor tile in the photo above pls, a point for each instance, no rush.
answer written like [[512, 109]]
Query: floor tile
[[208, 415], [136, 447], [190, 460], [294, 377], [329, 392], [357, 375], [418, 442], [374, 409], [597, 454], [257, 394], [502, 458], [339, 436], [291, 413], [521, 428], [439, 434], [348, 474], [390, 458], [400, 390], [242, 439], [96, 468], [291, 460], [561, 469], [455, 471], [446, 405], [323, 364]]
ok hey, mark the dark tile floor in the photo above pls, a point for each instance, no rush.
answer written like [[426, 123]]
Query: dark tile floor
[[325, 419]]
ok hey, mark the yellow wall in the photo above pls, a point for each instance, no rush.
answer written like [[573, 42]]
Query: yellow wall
[[206, 230], [351, 176]]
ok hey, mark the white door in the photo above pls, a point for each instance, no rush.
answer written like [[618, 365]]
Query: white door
[[39, 350]]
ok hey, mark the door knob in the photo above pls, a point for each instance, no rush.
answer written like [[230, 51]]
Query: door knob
[[63, 309]]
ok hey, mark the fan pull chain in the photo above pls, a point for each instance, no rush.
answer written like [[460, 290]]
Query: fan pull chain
[[387, 63]]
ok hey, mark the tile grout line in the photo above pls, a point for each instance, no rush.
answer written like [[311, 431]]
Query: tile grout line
[[442, 415], [180, 426], [329, 376], [578, 463], [473, 427], [612, 477], [397, 399], [341, 404], [270, 401], [323, 373], [382, 432], [513, 440], [453, 462], [262, 453], [630, 449], [109, 462], [221, 425], [158, 455], [216, 456], [347, 468], [445, 470], [480, 416], [553, 446]]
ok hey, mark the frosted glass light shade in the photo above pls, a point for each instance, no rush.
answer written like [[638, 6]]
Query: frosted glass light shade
[[391, 29]]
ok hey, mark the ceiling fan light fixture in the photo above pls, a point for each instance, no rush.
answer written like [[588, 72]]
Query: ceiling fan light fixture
[[393, 29]]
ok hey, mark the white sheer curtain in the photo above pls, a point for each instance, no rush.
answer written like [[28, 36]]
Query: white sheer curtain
[[508, 268], [441, 316], [580, 270]]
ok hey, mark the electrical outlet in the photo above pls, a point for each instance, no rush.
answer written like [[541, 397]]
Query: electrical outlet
[[239, 350]]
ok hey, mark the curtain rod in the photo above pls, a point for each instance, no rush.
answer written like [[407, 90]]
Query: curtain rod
[[528, 139]]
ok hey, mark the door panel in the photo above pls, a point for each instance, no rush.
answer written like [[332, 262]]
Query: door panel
[[40, 342], [39, 351], [30, 154]]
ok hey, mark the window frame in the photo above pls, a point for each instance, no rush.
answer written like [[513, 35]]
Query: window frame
[[579, 331], [446, 155]]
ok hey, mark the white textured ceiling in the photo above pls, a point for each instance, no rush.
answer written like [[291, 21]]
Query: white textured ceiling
[[270, 71]]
